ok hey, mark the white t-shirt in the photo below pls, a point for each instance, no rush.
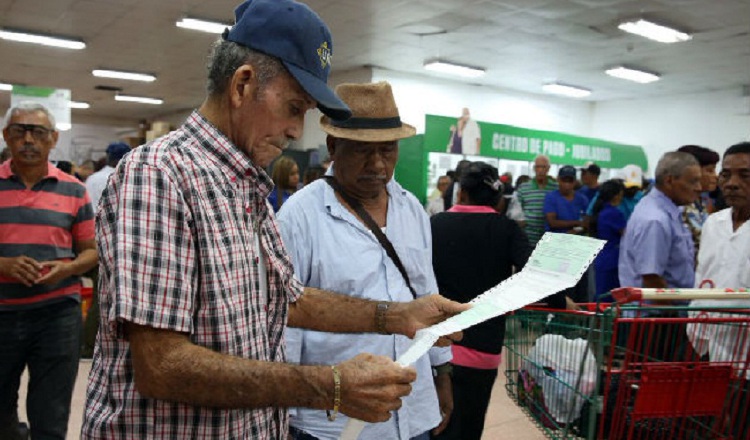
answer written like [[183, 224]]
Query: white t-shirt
[[96, 183]]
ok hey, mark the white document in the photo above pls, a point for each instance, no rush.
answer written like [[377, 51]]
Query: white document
[[557, 263]]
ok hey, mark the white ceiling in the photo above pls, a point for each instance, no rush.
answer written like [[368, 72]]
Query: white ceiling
[[521, 43]]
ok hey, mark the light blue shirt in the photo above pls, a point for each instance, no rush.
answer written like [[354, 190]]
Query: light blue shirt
[[656, 241], [332, 250]]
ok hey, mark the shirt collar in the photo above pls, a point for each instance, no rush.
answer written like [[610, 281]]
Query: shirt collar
[[222, 150], [475, 209], [52, 171], [672, 209]]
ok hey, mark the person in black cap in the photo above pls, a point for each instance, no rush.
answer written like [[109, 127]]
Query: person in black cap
[[590, 179], [196, 288]]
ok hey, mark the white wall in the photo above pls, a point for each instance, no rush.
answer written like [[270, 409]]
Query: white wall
[[417, 96], [659, 125]]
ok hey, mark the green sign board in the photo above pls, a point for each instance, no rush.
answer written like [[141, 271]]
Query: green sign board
[[523, 144]]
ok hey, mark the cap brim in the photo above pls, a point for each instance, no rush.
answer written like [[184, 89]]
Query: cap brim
[[328, 102], [367, 134]]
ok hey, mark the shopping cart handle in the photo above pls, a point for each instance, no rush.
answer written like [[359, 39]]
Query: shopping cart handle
[[631, 294], [625, 295]]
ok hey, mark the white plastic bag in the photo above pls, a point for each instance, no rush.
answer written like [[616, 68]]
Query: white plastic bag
[[555, 364]]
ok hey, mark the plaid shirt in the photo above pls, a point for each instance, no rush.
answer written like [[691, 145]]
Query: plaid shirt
[[176, 230]]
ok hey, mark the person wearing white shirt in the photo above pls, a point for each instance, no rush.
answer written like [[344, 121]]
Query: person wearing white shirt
[[96, 183], [724, 262]]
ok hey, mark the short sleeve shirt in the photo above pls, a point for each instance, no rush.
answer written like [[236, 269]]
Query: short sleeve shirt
[[531, 198], [657, 242], [177, 230], [564, 208]]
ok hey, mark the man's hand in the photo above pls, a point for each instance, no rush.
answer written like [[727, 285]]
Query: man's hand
[[408, 317], [444, 388], [53, 272], [372, 386], [24, 269]]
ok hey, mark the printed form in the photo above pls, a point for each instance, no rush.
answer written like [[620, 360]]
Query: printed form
[[557, 263]]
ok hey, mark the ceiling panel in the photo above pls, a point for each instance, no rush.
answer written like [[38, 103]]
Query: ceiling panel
[[522, 43]]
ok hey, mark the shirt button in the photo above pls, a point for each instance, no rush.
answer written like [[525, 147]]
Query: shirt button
[[234, 178]]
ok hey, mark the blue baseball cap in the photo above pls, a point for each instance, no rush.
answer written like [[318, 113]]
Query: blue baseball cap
[[116, 150], [296, 35]]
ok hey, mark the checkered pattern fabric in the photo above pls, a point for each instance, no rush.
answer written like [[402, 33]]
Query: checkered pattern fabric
[[176, 230]]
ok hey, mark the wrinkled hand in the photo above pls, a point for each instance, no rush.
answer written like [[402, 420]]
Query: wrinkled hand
[[444, 388], [424, 312], [24, 269], [57, 271], [372, 386]]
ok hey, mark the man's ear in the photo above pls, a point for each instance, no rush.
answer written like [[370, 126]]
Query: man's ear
[[243, 85]]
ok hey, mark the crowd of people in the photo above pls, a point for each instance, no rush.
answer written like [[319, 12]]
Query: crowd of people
[[219, 318]]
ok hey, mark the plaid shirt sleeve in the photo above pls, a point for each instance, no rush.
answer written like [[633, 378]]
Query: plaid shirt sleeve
[[146, 230]]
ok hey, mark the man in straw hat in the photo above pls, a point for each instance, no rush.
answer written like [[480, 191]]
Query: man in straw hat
[[196, 288], [330, 229]]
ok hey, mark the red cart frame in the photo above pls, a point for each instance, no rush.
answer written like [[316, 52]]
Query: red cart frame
[[666, 370]]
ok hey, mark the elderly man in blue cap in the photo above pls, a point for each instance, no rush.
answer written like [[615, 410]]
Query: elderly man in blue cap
[[196, 288]]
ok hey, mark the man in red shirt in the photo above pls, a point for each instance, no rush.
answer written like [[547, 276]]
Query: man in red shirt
[[46, 242]]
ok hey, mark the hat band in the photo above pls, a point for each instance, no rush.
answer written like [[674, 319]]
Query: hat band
[[378, 123]]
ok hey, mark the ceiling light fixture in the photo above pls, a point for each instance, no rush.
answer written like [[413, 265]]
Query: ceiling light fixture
[[197, 24], [566, 90], [78, 104], [630, 74], [6, 87], [45, 40], [141, 99], [131, 76], [63, 126], [454, 69], [653, 31]]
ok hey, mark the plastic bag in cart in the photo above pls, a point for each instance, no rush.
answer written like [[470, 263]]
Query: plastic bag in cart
[[555, 364]]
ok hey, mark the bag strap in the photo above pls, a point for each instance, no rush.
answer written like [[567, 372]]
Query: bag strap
[[372, 226]]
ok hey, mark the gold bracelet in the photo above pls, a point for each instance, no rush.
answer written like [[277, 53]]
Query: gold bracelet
[[336, 394], [380, 310]]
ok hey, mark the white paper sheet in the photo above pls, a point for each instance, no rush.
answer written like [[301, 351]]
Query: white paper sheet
[[557, 263]]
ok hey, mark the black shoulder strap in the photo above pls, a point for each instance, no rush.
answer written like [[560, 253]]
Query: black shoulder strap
[[365, 216]]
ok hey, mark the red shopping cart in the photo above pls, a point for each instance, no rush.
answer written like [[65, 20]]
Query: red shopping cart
[[662, 371]]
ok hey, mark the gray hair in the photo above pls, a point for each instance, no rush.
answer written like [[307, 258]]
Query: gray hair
[[28, 107], [227, 56], [673, 164]]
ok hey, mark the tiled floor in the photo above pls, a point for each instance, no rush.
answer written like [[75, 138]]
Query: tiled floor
[[504, 419]]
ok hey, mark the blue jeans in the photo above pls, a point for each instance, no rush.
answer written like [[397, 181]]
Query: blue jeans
[[47, 340]]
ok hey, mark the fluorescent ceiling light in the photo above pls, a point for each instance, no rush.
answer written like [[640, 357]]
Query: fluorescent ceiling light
[[566, 90], [132, 76], [454, 69], [46, 40], [654, 31], [6, 87], [141, 99], [77, 104], [196, 24], [638, 76], [63, 126]]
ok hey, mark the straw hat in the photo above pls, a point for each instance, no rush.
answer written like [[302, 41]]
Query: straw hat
[[374, 115]]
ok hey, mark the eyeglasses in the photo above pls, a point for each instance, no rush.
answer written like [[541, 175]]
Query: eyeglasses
[[38, 132]]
